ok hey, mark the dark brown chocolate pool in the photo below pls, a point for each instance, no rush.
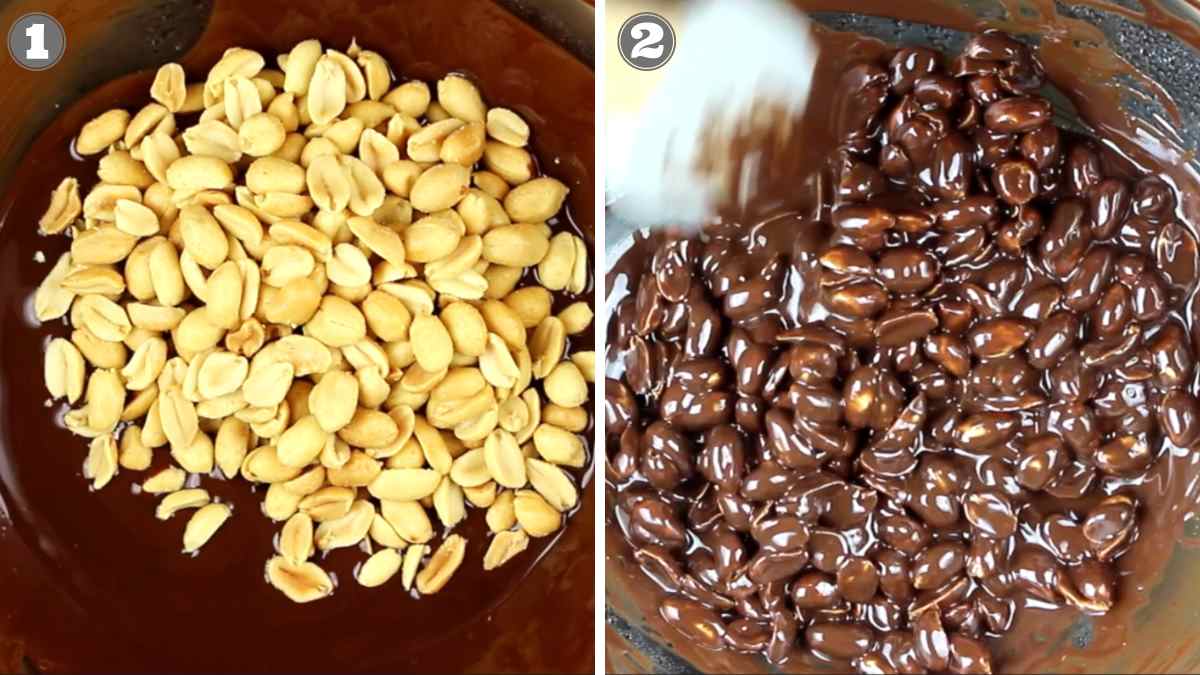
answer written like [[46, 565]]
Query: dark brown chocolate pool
[[950, 393], [92, 582]]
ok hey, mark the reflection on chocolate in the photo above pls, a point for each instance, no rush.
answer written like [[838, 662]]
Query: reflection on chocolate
[[987, 341]]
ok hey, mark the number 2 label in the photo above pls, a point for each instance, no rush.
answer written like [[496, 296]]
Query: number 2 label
[[649, 38], [37, 42]]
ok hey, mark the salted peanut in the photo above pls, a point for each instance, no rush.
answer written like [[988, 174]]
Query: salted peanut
[[99, 353], [235, 62], [464, 146], [576, 318], [460, 97], [328, 503], [507, 127], [473, 432], [134, 454], [481, 211], [194, 173], [225, 293], [247, 339], [101, 246], [366, 190], [98, 280], [348, 266], [425, 145], [165, 274], [531, 304], [64, 207], [505, 546], [504, 322], [383, 534], [571, 419], [146, 119], [497, 363], [565, 385], [51, 300], [579, 271], [376, 73], [504, 460], [398, 176], [369, 429], [144, 366], [283, 108], [377, 152], [193, 100], [404, 484], [203, 237], [212, 138], [387, 316], [169, 87], [469, 286], [326, 96], [552, 483], [466, 327], [558, 446], [101, 466], [431, 237], [554, 271], [241, 101], [135, 218], [301, 63], [449, 503], [102, 317], [101, 132], [432, 345], [345, 134], [518, 245], [433, 445], [356, 86], [101, 201], [412, 562], [442, 565], [168, 480], [458, 262], [440, 187], [222, 373], [536, 201], [304, 582], [273, 175], [334, 400], [280, 504], [336, 323], [240, 222], [261, 134], [64, 370], [347, 530], [491, 184], [180, 500], [159, 152], [196, 333], [105, 399], [302, 442], [470, 469], [513, 415], [535, 515], [231, 445], [481, 496], [203, 524], [294, 232], [408, 519], [383, 242], [285, 263], [410, 98], [379, 568], [409, 455], [120, 168], [296, 539], [307, 355], [514, 165], [267, 385], [547, 346], [262, 465], [196, 457]]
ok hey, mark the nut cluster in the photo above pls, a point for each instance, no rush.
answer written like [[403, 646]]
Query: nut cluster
[[322, 285]]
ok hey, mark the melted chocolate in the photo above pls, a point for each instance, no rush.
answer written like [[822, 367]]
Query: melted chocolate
[[92, 581], [1062, 537]]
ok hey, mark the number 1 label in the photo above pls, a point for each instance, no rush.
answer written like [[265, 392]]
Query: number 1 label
[[37, 42]]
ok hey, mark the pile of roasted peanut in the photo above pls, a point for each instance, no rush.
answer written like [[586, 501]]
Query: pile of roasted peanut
[[315, 287]]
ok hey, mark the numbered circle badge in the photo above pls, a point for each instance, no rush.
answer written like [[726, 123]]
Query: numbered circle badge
[[646, 41], [36, 41]]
